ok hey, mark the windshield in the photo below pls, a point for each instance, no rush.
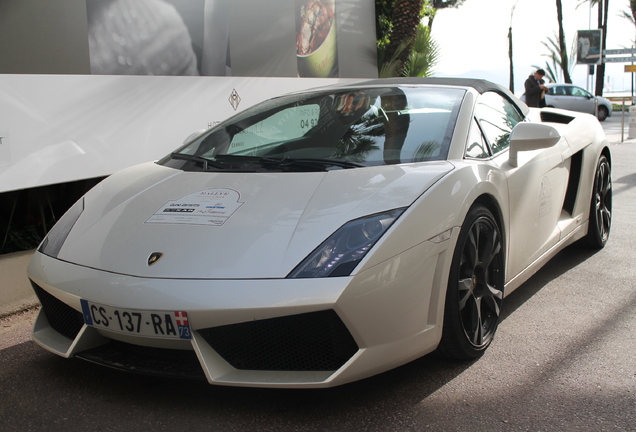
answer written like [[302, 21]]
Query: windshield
[[329, 130]]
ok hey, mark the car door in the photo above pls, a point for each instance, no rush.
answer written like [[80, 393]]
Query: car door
[[557, 97], [536, 186], [582, 100]]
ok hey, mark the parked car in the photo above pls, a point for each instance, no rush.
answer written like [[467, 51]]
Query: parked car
[[571, 97], [324, 236]]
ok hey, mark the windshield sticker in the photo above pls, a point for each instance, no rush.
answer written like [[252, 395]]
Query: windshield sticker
[[211, 207]]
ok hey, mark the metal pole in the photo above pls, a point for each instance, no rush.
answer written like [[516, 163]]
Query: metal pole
[[623, 120]]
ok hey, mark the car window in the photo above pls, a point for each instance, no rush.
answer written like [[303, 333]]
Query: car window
[[557, 91], [497, 116], [576, 91], [476, 146]]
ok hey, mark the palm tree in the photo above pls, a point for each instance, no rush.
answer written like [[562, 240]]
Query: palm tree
[[424, 54], [603, 11], [557, 66], [406, 16], [631, 14], [420, 61], [563, 52], [404, 49]]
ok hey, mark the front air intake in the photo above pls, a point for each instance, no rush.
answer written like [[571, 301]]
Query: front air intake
[[316, 341], [62, 318]]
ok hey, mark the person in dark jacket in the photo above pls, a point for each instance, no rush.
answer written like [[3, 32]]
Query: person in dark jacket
[[535, 89]]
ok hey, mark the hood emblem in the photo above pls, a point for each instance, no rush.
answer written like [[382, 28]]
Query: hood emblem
[[154, 257]]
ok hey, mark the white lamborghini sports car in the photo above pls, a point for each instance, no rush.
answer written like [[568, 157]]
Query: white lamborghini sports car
[[325, 236]]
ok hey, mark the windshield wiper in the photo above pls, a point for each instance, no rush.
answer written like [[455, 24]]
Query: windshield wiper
[[205, 161], [291, 163], [325, 163]]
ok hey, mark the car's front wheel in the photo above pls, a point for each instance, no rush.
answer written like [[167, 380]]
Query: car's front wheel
[[602, 113], [601, 205], [475, 288]]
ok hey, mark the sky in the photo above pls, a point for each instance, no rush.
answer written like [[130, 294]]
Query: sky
[[473, 39]]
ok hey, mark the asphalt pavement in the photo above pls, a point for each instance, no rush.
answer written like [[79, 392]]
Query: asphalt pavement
[[563, 359]]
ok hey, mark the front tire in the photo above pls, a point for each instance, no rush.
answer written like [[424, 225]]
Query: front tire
[[475, 288], [601, 206]]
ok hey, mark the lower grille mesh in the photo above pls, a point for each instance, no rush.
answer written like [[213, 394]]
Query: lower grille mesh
[[145, 360], [316, 341], [62, 318]]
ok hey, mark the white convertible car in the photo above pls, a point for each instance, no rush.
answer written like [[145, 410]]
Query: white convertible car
[[325, 236]]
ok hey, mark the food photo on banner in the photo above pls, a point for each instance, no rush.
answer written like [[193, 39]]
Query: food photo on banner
[[278, 38]]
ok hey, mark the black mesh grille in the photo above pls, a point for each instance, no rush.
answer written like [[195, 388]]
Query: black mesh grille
[[145, 360], [555, 118], [62, 318], [317, 341]]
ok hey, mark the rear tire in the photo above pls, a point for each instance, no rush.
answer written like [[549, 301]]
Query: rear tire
[[601, 206], [602, 113], [475, 288]]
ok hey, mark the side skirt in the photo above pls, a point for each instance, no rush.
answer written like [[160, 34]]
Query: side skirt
[[529, 271]]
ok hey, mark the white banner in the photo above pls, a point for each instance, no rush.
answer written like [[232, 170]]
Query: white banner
[[61, 128]]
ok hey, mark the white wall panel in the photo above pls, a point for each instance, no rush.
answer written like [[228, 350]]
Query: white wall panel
[[61, 128]]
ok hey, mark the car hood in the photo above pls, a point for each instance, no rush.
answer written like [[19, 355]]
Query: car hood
[[229, 225]]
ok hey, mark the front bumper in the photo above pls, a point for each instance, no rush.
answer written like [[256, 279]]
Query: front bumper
[[258, 333]]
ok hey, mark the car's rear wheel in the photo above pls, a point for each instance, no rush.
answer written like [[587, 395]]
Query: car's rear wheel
[[475, 288], [601, 205], [602, 113]]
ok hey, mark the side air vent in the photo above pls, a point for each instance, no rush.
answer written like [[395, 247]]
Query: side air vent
[[551, 117], [573, 182], [62, 318]]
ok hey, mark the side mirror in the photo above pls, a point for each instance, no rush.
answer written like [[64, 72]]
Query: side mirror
[[531, 136]]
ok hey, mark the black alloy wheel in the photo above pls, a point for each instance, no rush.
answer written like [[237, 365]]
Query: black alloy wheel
[[601, 206], [602, 113], [475, 288]]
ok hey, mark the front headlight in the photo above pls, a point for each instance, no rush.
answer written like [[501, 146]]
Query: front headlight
[[55, 238], [341, 253]]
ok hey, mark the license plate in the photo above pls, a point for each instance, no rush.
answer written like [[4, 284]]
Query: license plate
[[159, 324]]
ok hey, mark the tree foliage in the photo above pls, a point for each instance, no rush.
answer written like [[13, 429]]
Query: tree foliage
[[404, 48], [557, 67], [405, 19], [424, 54], [630, 15]]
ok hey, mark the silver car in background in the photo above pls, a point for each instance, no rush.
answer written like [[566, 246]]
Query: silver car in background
[[571, 97]]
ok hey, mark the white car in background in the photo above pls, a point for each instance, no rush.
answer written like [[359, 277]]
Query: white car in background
[[571, 97], [324, 236]]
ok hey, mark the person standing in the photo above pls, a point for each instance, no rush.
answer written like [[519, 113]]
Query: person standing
[[535, 89]]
